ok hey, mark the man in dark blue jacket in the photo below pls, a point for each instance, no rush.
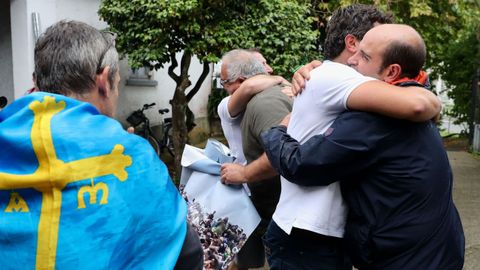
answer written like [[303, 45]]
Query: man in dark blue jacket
[[395, 174]]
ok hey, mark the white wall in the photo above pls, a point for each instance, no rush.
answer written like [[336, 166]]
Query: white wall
[[447, 122], [131, 97], [22, 46], [6, 71], [84, 10]]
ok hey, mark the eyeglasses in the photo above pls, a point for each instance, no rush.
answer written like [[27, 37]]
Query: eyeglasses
[[223, 82], [109, 38]]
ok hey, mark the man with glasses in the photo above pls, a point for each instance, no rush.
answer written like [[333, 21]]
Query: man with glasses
[[240, 89], [79, 192], [244, 77]]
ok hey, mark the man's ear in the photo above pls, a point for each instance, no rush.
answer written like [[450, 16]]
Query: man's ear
[[103, 83], [351, 43], [392, 73], [241, 79]]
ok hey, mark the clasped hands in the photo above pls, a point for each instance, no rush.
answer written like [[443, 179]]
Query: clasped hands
[[232, 173]]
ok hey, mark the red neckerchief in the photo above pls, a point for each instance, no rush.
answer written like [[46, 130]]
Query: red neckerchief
[[31, 90], [422, 78]]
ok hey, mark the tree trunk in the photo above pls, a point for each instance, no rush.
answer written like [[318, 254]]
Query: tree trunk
[[179, 105], [179, 127]]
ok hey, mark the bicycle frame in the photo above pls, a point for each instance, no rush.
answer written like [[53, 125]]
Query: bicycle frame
[[141, 123], [166, 142]]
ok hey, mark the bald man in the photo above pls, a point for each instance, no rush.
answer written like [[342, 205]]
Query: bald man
[[393, 53], [395, 175]]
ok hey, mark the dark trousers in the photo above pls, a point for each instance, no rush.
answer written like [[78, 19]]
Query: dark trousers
[[252, 254], [191, 255], [303, 250]]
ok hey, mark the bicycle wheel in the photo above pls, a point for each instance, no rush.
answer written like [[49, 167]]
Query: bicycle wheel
[[154, 143]]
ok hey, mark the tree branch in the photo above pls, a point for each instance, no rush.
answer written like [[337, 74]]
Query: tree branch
[[184, 67], [185, 64], [193, 92], [174, 64]]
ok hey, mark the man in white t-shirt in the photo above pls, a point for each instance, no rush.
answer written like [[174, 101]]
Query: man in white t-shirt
[[309, 222]]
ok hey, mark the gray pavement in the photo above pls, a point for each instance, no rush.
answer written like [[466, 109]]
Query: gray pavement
[[466, 195]]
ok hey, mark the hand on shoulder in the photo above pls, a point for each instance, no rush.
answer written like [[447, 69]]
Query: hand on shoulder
[[302, 75]]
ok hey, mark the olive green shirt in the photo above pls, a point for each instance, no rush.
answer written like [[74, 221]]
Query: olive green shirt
[[265, 110]]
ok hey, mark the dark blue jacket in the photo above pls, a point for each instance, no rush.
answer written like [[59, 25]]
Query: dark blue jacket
[[397, 181]]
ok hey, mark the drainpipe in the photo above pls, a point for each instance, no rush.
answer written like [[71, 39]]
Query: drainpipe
[[36, 25]]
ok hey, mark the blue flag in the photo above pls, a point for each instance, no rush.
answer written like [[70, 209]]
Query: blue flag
[[78, 192]]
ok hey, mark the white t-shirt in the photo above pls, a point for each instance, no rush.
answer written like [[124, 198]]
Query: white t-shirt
[[317, 209], [232, 131]]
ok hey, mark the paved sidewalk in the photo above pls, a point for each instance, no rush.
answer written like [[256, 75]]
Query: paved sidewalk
[[466, 194]]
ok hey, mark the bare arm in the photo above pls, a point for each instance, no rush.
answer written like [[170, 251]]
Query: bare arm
[[410, 103], [250, 88], [258, 170]]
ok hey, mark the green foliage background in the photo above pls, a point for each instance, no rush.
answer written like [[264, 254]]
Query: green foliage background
[[290, 32], [150, 30]]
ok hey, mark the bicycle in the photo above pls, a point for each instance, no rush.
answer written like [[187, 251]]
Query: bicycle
[[142, 127], [166, 142]]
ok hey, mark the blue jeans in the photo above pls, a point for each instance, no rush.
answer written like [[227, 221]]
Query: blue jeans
[[303, 250]]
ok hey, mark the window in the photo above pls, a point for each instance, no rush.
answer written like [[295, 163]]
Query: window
[[141, 77]]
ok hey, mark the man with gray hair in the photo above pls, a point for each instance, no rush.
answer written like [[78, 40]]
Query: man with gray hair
[[80, 192], [253, 79], [266, 106]]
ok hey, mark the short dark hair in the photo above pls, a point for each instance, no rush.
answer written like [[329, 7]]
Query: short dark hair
[[410, 58], [356, 20], [69, 55]]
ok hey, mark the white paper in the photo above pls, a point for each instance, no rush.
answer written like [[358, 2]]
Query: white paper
[[223, 215]]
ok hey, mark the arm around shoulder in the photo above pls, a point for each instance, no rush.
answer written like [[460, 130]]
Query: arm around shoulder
[[249, 88], [294, 161], [411, 103], [324, 159]]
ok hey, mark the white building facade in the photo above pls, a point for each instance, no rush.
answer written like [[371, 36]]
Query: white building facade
[[22, 20]]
